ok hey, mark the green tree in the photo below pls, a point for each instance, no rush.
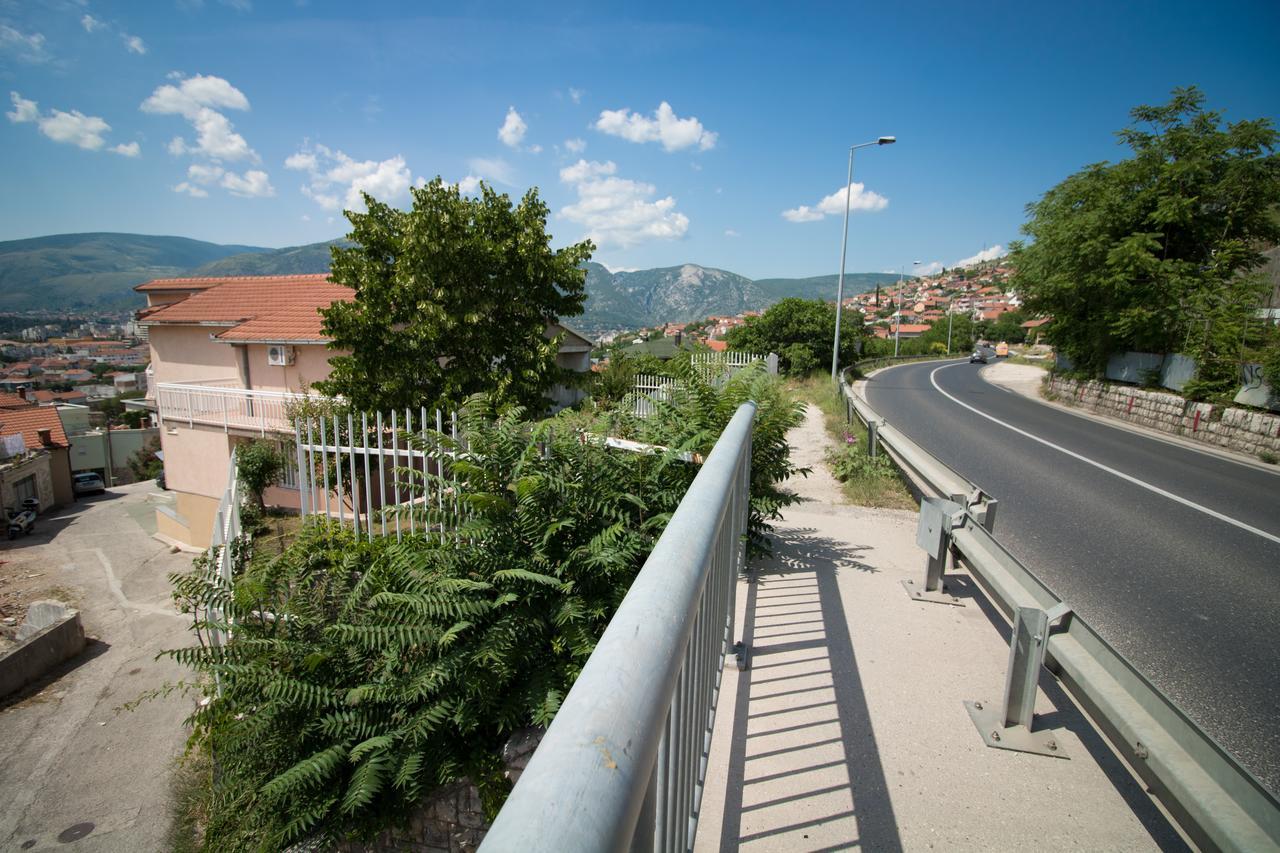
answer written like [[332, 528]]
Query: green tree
[[1154, 253], [452, 298], [800, 331], [258, 465], [145, 464]]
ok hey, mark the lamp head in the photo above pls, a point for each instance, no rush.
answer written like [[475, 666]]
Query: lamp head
[[886, 140]]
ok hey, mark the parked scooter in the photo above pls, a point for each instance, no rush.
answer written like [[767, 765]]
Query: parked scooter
[[20, 521]]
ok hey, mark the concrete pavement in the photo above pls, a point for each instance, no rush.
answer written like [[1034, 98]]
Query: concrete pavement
[[848, 731], [77, 768]]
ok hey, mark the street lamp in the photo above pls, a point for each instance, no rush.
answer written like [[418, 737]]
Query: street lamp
[[844, 246]]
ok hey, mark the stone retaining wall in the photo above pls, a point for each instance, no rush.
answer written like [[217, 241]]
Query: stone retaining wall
[[451, 819], [1235, 429]]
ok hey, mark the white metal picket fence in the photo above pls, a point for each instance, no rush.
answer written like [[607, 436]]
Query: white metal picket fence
[[364, 470], [649, 391]]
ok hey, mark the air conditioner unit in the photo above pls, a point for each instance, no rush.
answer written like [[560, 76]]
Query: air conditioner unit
[[279, 355]]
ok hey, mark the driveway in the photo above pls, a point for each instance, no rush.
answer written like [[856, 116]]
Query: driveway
[[80, 772]]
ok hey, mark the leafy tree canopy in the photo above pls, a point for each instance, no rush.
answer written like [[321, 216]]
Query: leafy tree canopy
[[452, 298], [1153, 253], [800, 331]]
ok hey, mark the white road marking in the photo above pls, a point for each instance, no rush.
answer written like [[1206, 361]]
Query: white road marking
[[1123, 476]]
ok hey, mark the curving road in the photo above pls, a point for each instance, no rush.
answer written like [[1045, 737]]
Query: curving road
[[1172, 554]]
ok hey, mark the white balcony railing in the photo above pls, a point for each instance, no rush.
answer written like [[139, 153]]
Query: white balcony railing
[[211, 403]]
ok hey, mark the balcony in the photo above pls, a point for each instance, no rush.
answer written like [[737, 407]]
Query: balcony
[[221, 403]]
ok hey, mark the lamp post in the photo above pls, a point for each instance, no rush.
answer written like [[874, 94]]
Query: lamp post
[[844, 246]]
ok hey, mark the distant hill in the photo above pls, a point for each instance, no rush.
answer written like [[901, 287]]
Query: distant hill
[[824, 286], [293, 260], [83, 271]]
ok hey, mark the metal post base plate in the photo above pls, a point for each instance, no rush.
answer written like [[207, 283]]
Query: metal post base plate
[[989, 720], [938, 596], [742, 656]]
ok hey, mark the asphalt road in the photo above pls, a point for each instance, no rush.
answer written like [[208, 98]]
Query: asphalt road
[[1190, 598]]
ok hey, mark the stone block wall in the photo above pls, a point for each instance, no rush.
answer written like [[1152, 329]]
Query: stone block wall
[[1241, 430], [451, 819]]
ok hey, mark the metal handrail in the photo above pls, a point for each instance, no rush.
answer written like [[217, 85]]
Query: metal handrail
[[622, 764], [1218, 803]]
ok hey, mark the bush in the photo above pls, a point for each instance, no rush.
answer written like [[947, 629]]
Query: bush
[[258, 465]]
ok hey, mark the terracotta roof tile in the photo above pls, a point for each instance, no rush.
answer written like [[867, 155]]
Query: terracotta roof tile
[[260, 308], [206, 282], [29, 421], [12, 401]]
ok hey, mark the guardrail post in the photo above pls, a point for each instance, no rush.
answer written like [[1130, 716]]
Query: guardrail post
[[1009, 727], [983, 509], [938, 517], [873, 439]]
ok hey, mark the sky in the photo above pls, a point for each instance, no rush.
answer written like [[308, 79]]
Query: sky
[[708, 133]]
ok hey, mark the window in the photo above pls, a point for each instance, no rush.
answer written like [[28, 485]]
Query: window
[[288, 471]]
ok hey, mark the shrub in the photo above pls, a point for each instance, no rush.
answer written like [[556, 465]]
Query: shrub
[[258, 465]]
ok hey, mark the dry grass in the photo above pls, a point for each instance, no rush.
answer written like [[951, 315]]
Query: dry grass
[[885, 490]]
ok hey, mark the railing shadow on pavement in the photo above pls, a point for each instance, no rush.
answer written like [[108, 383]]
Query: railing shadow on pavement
[[1069, 717], [804, 770]]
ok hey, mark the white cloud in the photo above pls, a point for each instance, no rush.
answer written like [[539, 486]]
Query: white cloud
[[191, 190], [617, 211], [24, 47], [469, 185], [74, 128], [254, 183], [575, 145], [23, 110], [985, 255], [513, 128], [729, 232], [498, 171], [90, 23], [833, 205], [193, 94], [336, 180], [133, 44], [204, 173], [803, 213], [931, 268], [195, 99], [575, 95], [673, 132], [534, 149]]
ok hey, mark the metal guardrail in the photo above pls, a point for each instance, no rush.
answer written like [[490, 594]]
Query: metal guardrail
[[621, 767], [1216, 802]]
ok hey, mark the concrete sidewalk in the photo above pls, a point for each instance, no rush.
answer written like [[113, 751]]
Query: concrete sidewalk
[[848, 730]]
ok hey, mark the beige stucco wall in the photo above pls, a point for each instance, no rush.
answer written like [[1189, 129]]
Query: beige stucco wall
[[185, 354], [311, 364], [190, 521], [37, 465], [60, 473], [195, 459]]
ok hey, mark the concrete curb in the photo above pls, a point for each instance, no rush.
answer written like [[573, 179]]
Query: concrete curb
[[41, 652]]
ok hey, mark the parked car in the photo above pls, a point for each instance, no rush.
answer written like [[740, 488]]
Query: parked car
[[978, 357], [20, 521], [87, 483]]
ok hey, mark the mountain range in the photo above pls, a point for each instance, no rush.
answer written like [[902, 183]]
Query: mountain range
[[85, 272]]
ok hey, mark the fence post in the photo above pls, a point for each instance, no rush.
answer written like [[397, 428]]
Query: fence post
[[1009, 727], [873, 439], [771, 363]]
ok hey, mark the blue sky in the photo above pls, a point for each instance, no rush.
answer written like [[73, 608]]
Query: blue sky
[[683, 133]]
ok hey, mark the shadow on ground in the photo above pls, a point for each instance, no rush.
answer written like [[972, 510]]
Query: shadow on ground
[[804, 770]]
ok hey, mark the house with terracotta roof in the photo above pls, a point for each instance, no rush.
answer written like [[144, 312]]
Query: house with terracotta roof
[[42, 469], [229, 357]]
